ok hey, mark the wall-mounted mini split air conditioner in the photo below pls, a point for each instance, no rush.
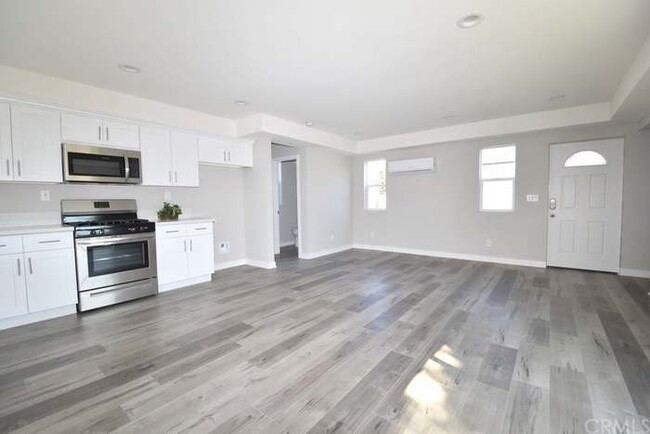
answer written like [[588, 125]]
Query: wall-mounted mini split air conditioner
[[417, 165]]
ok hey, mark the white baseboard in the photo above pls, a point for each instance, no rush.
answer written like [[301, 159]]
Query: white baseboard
[[450, 255], [287, 243], [229, 264], [325, 252], [29, 318], [261, 264], [630, 272], [183, 283]]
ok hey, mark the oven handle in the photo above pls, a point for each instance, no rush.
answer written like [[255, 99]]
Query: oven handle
[[127, 169], [113, 240]]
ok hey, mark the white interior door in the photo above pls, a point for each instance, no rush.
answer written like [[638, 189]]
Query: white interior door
[[585, 203], [276, 207]]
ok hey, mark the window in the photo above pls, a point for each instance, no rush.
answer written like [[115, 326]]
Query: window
[[585, 158], [375, 184], [497, 175]]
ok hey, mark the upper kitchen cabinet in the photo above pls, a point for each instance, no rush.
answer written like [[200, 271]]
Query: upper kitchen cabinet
[[169, 157], [6, 158], [99, 131], [224, 151], [36, 149]]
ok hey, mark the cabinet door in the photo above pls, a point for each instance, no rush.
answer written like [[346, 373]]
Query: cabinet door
[[13, 296], [185, 159], [212, 150], [81, 128], [36, 137], [201, 255], [241, 154], [156, 153], [6, 165], [171, 257], [121, 135], [51, 279]]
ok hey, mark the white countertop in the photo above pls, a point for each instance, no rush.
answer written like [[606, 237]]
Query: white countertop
[[33, 229], [181, 221]]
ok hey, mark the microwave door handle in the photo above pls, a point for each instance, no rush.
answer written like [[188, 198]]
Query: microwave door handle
[[127, 169]]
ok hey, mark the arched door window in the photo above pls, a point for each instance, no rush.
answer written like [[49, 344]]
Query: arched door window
[[585, 158]]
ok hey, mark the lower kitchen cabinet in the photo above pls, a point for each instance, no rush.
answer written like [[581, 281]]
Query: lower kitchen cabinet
[[38, 277], [184, 253]]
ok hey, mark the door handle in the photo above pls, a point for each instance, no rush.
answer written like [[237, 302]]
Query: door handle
[[19, 272], [552, 216], [29, 262], [552, 204]]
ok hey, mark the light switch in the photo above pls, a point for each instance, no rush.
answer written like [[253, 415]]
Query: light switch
[[532, 198]]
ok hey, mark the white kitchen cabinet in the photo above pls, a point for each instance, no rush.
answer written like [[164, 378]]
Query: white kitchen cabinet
[[51, 279], [185, 159], [184, 253], [6, 158], [36, 138], [13, 292], [169, 157], [155, 149], [99, 131], [222, 151], [171, 257]]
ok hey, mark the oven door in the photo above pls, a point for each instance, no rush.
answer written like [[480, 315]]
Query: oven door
[[83, 163], [107, 261]]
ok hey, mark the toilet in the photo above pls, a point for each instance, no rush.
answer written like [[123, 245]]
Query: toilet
[[294, 232]]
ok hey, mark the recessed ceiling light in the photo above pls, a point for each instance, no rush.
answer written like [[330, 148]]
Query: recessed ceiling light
[[241, 102], [470, 20], [557, 97], [129, 68], [309, 123]]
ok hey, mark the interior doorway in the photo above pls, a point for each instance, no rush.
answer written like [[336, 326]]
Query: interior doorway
[[286, 203]]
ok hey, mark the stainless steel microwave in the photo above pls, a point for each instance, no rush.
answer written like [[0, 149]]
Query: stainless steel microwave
[[86, 163]]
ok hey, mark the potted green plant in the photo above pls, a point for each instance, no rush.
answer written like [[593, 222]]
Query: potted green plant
[[169, 211]]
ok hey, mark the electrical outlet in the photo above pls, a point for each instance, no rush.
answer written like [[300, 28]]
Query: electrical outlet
[[532, 198], [45, 195], [488, 243], [224, 247], [168, 196]]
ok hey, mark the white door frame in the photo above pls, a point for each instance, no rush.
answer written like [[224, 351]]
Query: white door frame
[[276, 206], [585, 145]]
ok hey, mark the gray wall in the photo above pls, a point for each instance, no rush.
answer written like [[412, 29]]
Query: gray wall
[[439, 212], [220, 196], [289, 202]]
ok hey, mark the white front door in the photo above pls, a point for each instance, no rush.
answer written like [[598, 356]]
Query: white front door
[[585, 203]]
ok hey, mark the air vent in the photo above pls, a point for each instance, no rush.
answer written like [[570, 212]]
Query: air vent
[[417, 165]]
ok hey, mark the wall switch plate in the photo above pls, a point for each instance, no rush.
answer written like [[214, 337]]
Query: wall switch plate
[[45, 195], [532, 198], [168, 196], [224, 247]]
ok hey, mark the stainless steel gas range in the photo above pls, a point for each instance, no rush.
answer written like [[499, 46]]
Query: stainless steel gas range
[[115, 251]]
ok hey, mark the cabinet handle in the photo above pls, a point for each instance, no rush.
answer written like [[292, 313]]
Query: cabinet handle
[[49, 241], [99, 133], [19, 273], [3, 245], [107, 136], [185, 245], [229, 156], [8, 171], [20, 172], [200, 229], [175, 175], [224, 157], [171, 232], [170, 176], [190, 245], [29, 261]]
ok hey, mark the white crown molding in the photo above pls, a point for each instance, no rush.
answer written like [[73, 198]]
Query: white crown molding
[[451, 255]]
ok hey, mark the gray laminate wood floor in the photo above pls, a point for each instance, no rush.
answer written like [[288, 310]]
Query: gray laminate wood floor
[[355, 342]]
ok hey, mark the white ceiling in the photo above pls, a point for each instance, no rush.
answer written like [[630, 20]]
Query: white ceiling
[[373, 66]]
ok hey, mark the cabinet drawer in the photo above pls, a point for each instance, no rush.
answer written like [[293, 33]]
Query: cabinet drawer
[[199, 228], [51, 241], [11, 244], [171, 231]]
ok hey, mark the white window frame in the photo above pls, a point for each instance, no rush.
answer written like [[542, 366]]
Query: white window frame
[[481, 180], [366, 185]]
